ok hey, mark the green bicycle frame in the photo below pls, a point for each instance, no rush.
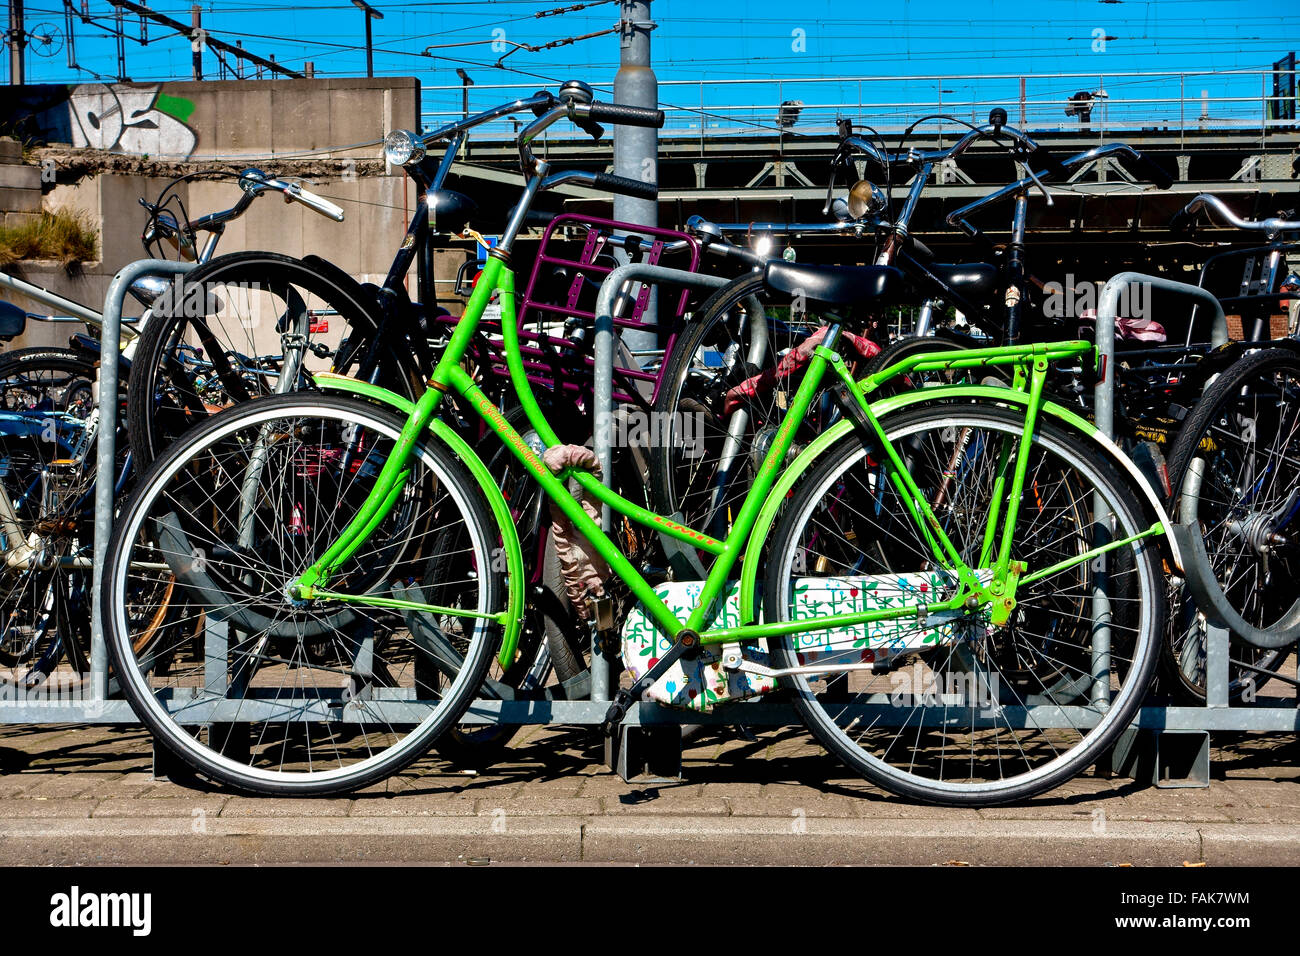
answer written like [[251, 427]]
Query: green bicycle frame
[[1030, 361]]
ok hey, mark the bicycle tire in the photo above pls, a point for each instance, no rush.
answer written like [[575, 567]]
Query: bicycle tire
[[79, 371], [929, 435], [164, 399], [44, 612], [1236, 436], [243, 584]]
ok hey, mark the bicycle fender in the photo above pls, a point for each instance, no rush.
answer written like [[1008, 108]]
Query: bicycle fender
[[1222, 358], [334, 382], [341, 279], [752, 561], [514, 555]]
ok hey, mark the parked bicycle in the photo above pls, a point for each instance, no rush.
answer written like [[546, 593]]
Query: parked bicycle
[[49, 420], [321, 519], [1242, 442]]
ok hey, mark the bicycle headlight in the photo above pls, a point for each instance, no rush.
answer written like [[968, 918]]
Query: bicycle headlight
[[402, 148], [866, 199]]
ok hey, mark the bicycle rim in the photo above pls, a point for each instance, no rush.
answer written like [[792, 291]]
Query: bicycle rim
[[267, 693], [944, 716]]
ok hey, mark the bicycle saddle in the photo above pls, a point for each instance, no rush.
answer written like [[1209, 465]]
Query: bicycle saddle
[[13, 321], [976, 281], [450, 209], [836, 285]]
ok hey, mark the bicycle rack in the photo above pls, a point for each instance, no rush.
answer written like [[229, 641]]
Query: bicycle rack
[[92, 705], [1170, 743], [1170, 746]]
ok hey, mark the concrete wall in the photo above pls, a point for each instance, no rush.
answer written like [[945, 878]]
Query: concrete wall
[[218, 119], [20, 186], [244, 121]]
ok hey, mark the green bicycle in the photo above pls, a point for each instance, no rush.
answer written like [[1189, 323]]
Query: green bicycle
[[959, 588]]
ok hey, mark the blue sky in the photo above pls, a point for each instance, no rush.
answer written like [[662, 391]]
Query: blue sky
[[765, 43]]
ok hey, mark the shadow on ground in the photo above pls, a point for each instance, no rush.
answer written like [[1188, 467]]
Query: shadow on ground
[[718, 757]]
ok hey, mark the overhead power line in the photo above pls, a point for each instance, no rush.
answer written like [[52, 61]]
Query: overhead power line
[[196, 36]]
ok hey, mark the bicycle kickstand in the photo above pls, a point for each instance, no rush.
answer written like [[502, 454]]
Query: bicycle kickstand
[[687, 643]]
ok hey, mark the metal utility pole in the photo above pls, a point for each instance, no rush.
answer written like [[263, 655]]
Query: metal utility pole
[[17, 43], [465, 84], [371, 14], [120, 35], [196, 39], [636, 150]]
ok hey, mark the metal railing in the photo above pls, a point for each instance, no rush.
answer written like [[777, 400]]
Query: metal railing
[[1093, 103]]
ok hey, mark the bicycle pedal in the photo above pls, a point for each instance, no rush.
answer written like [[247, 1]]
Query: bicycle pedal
[[617, 711]]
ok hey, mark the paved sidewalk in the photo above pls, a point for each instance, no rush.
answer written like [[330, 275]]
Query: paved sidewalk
[[85, 795]]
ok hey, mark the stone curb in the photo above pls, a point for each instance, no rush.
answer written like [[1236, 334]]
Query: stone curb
[[636, 839]]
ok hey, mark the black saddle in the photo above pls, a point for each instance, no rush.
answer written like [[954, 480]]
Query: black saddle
[[836, 285], [13, 321], [976, 282]]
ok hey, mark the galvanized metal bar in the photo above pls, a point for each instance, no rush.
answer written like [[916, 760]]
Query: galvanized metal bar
[[603, 398], [603, 347], [105, 471], [1121, 286], [51, 299], [1107, 315], [1264, 716]]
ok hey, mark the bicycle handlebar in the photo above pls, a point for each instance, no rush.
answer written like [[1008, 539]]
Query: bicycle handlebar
[[1120, 151], [1144, 167], [917, 156], [1185, 217], [163, 225], [296, 193], [542, 103], [254, 182], [627, 186], [539, 100], [620, 114], [605, 181], [576, 103]]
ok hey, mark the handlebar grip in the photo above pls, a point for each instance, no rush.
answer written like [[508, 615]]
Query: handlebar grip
[[621, 115], [314, 202], [1182, 221], [719, 246], [628, 187], [1148, 168]]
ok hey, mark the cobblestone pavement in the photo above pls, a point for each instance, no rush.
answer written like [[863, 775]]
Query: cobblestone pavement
[[87, 795]]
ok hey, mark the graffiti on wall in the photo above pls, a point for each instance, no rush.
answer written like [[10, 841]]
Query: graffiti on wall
[[131, 119], [142, 119]]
